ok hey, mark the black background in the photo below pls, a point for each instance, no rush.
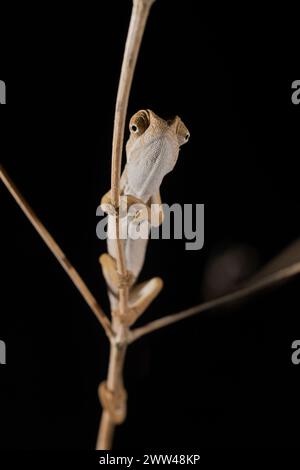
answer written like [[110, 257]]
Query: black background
[[223, 379]]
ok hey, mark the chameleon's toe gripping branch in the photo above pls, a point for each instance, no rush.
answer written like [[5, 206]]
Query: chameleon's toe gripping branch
[[139, 211]]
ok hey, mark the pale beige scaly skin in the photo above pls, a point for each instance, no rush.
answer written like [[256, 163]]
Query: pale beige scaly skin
[[152, 151]]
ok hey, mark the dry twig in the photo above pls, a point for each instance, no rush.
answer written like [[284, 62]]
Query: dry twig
[[58, 253], [255, 287], [114, 383]]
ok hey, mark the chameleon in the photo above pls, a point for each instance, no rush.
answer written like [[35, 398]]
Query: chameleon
[[151, 152]]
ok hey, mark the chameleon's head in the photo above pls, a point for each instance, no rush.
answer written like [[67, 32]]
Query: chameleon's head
[[145, 125], [152, 151]]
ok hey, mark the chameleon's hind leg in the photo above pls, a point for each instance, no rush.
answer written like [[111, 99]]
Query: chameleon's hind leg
[[140, 296]]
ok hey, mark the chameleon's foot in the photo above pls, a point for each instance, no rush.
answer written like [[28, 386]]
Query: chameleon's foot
[[140, 212], [152, 212], [106, 204], [137, 209]]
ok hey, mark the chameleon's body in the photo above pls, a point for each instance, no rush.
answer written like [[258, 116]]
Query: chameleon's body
[[152, 151]]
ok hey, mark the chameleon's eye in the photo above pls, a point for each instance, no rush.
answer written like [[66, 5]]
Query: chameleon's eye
[[134, 128], [183, 134], [139, 122]]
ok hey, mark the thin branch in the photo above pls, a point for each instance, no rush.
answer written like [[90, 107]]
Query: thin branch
[[114, 384], [57, 252], [268, 281], [138, 20], [139, 15]]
